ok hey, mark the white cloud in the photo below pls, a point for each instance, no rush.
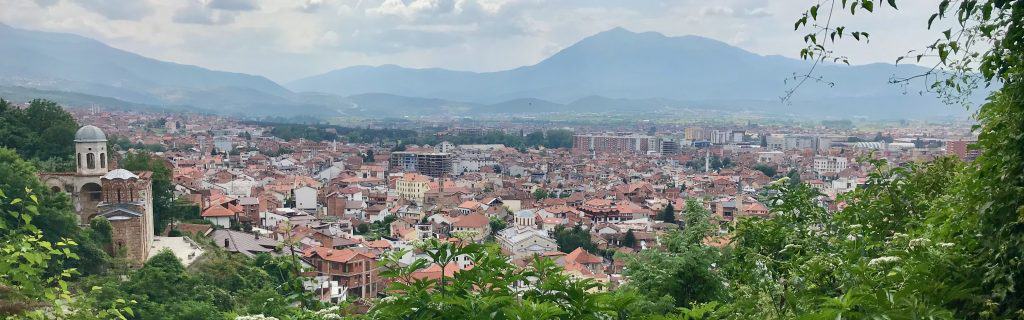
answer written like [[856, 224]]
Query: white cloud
[[234, 5], [197, 13], [114, 9]]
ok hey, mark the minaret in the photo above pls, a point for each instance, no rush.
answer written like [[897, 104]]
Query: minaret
[[90, 151], [707, 160]]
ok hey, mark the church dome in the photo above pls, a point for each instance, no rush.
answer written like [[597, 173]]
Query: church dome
[[90, 134], [120, 174]]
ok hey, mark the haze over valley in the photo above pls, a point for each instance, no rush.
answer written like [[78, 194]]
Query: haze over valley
[[615, 72]]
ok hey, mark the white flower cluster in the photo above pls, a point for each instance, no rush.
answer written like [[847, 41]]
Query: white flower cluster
[[946, 244], [791, 247], [255, 317], [883, 260], [919, 242], [330, 313]]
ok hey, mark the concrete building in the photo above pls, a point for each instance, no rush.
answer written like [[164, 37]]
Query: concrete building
[[616, 143], [412, 187], [519, 242], [305, 198], [962, 149], [829, 165], [434, 164]]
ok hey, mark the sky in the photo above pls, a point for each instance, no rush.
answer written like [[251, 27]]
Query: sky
[[286, 40]]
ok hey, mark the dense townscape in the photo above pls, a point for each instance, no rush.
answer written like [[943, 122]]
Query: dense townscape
[[137, 189]]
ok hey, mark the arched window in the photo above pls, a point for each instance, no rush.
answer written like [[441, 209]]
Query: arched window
[[92, 190], [103, 160], [79, 160], [90, 160], [118, 195]]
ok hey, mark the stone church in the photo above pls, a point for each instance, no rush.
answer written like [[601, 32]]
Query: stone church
[[123, 197]]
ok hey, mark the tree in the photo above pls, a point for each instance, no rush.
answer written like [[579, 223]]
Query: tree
[[493, 289], [668, 214], [534, 139], [362, 228], [568, 239], [629, 239], [26, 289], [163, 190], [558, 138], [794, 177], [102, 230], [540, 194], [766, 169], [497, 224], [684, 272], [368, 158], [42, 132], [54, 216]]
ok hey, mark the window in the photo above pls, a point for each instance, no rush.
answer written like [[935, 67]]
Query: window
[[90, 161], [103, 160], [79, 160]]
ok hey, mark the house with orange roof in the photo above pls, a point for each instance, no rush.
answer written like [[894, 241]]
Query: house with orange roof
[[353, 270], [219, 215], [474, 225], [582, 264]]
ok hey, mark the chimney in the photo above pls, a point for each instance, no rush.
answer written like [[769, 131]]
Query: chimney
[[226, 242], [256, 235]]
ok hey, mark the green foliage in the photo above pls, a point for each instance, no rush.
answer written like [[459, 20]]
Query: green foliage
[[164, 210], [43, 131], [998, 189], [540, 194], [102, 230], [218, 286], [555, 138], [994, 26], [766, 169], [368, 157], [629, 239], [569, 239], [27, 288], [118, 143], [684, 272], [54, 215], [715, 163], [497, 224], [668, 214], [493, 289]]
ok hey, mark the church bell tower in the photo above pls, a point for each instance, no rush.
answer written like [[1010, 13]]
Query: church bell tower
[[91, 151]]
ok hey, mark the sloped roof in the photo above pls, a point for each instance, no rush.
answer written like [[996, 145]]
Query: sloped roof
[[472, 220], [337, 255], [217, 211]]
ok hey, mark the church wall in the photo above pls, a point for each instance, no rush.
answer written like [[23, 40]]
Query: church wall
[[125, 233]]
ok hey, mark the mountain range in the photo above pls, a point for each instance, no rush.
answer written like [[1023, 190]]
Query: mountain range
[[613, 72]]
